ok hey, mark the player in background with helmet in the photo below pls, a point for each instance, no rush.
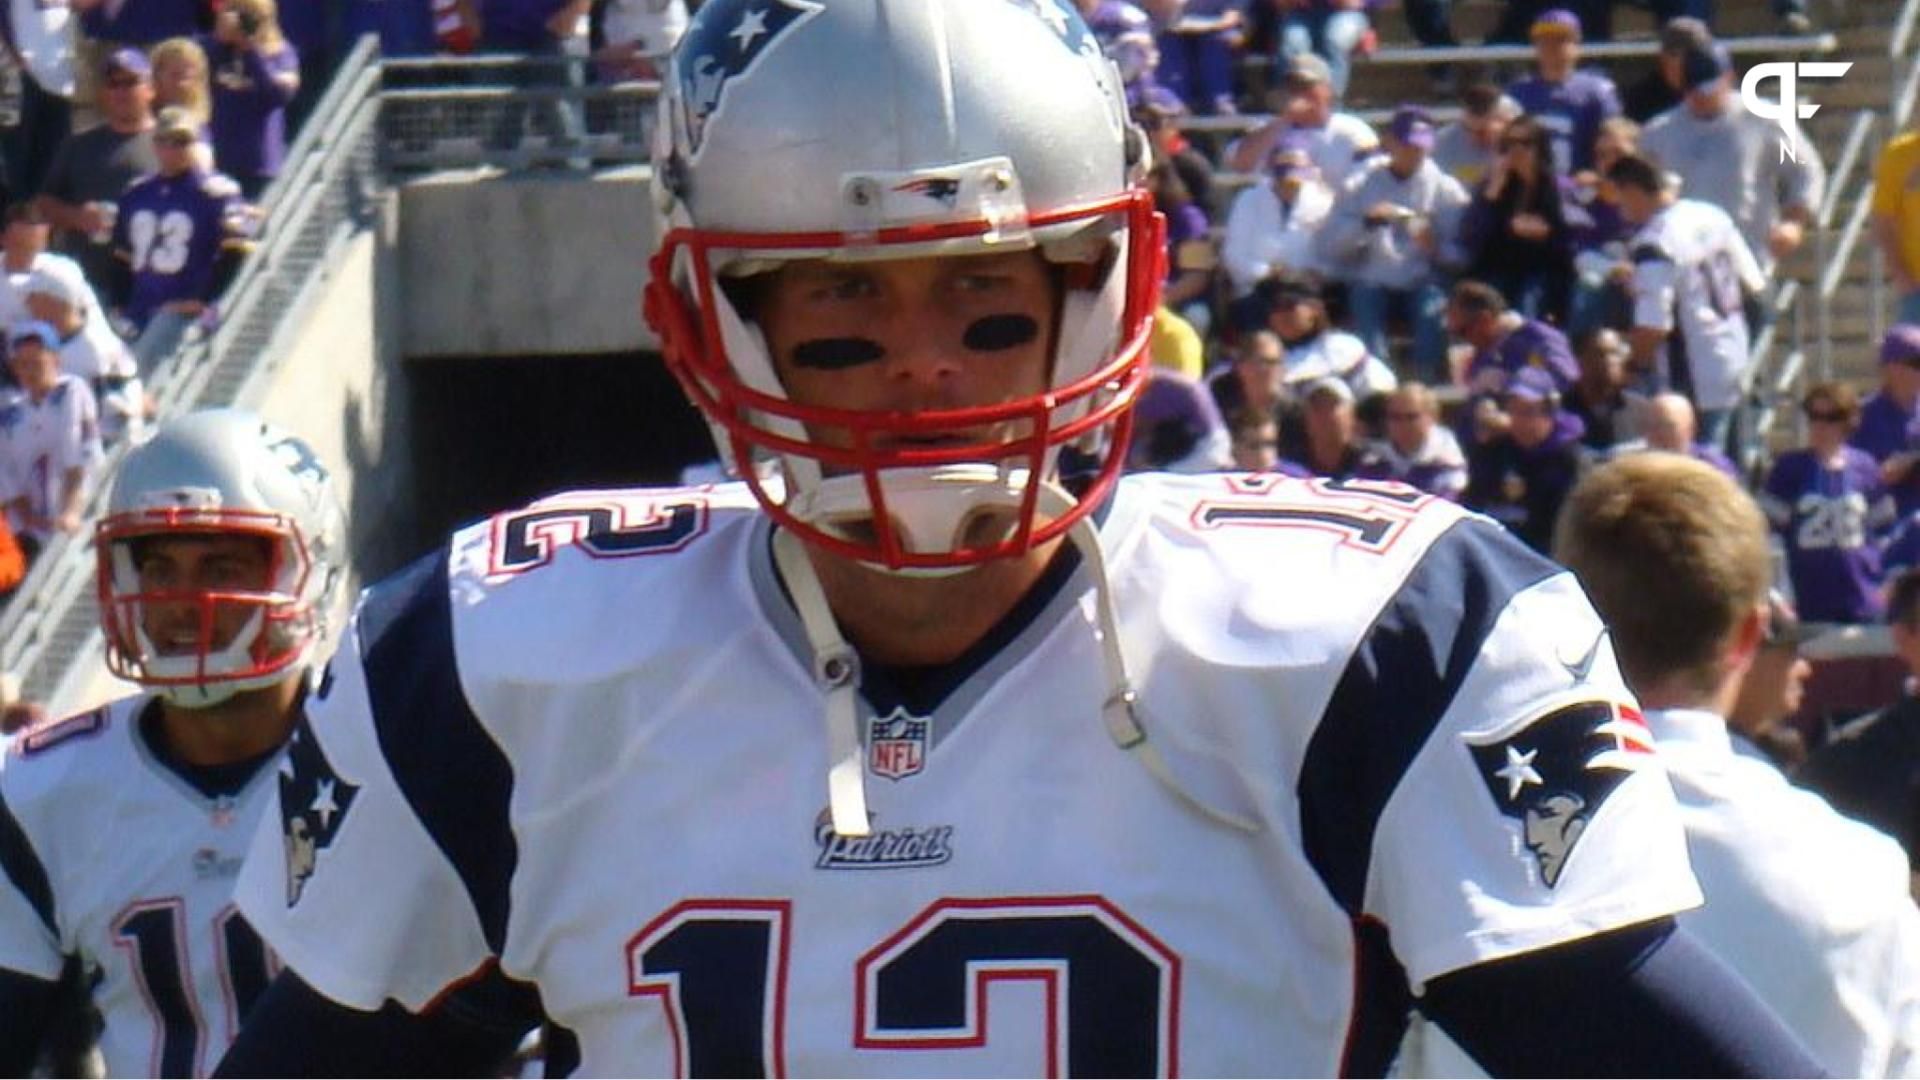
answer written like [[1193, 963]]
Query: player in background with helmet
[[1181, 774], [122, 829]]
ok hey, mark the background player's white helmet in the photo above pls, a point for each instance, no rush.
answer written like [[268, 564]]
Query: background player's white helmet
[[861, 130], [222, 471]]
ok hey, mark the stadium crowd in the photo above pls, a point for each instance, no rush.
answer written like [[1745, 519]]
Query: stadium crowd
[[1565, 272]]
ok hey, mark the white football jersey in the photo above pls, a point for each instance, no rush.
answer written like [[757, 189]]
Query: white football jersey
[[112, 856], [41, 440], [584, 743], [1690, 267]]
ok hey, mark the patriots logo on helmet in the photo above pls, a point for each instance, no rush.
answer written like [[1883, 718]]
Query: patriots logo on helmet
[[726, 39], [1553, 774], [314, 800], [941, 189], [1064, 19]]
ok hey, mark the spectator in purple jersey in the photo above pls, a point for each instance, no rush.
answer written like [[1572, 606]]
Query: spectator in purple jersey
[[138, 23], [1191, 256], [1889, 429], [1568, 103], [1671, 427], [1520, 229], [1505, 342], [1419, 450], [1890, 420], [1522, 476], [1114, 21], [255, 75], [1601, 269], [309, 29], [1200, 43], [1333, 29], [404, 27], [1828, 505], [175, 231], [1177, 428], [94, 167], [1600, 399]]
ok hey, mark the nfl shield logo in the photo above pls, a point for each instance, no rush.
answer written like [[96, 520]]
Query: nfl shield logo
[[896, 745]]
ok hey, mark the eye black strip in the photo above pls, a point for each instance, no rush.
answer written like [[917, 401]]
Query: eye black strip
[[834, 354], [994, 333]]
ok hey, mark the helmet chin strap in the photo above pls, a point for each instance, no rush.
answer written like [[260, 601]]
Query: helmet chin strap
[[836, 670]]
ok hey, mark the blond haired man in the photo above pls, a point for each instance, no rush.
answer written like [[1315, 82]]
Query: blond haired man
[[1810, 908]]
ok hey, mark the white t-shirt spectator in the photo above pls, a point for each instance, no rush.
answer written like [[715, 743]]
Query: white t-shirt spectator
[[1690, 267], [41, 441], [99, 356], [13, 288], [1264, 235]]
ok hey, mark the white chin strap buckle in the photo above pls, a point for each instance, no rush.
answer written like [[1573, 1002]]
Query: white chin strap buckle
[[931, 509]]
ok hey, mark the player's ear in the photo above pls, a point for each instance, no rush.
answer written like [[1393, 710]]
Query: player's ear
[[1747, 637]]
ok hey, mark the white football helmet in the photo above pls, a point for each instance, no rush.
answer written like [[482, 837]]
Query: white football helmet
[[221, 471], [861, 130]]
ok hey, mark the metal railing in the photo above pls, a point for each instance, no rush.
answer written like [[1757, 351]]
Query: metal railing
[[1905, 72], [1832, 252], [1768, 384], [325, 192], [510, 112], [1768, 44]]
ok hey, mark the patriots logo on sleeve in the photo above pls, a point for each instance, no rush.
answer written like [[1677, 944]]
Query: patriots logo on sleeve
[[314, 800], [726, 39], [1553, 774]]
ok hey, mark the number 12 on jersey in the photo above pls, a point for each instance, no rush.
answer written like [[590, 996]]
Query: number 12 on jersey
[[719, 969]]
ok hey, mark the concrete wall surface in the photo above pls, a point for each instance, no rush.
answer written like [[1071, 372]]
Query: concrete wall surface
[[524, 265]]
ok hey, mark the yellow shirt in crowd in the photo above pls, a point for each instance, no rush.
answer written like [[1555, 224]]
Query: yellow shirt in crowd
[[1896, 194]]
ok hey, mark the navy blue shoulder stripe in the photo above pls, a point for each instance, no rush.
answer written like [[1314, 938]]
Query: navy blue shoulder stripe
[[23, 867], [1399, 682], [450, 770]]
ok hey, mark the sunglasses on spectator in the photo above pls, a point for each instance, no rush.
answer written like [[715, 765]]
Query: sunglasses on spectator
[[123, 82], [1402, 417], [175, 139], [1821, 416]]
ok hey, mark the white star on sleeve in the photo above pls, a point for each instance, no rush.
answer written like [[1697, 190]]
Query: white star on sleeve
[[323, 803], [752, 25], [1518, 772]]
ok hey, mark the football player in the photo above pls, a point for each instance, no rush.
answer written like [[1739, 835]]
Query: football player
[[953, 754], [122, 829]]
